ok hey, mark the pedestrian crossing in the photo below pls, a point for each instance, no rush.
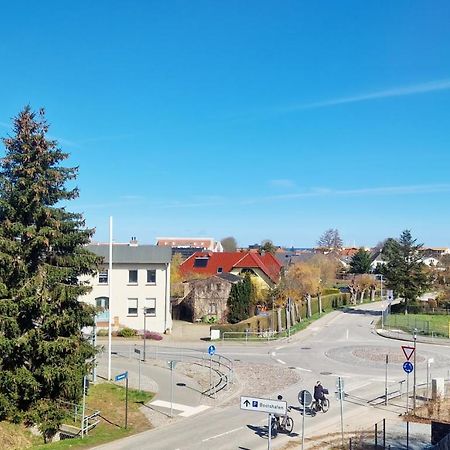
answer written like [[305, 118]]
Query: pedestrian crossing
[[181, 410]]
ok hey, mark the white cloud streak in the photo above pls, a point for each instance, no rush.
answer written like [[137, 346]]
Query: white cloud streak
[[314, 193], [401, 91]]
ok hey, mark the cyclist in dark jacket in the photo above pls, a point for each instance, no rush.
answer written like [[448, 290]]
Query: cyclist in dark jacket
[[319, 394]]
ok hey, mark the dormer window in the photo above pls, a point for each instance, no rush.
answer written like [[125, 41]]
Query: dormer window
[[201, 261], [219, 269]]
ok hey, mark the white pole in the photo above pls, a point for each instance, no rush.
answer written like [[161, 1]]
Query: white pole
[[110, 296], [84, 407], [269, 441]]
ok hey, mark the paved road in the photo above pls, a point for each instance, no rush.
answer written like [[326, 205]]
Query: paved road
[[340, 344]]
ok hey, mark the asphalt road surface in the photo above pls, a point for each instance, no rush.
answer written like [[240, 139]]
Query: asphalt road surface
[[341, 344]]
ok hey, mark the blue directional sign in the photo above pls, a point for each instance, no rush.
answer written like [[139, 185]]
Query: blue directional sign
[[121, 376], [211, 350], [408, 367]]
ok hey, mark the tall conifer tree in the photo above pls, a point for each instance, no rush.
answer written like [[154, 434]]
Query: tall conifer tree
[[43, 353]]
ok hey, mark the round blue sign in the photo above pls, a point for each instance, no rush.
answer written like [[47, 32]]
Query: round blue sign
[[408, 367], [211, 350]]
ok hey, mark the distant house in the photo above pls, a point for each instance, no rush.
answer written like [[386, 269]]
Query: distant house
[[205, 298], [187, 246], [140, 279], [264, 268]]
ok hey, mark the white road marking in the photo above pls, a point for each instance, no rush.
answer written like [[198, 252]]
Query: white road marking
[[280, 347], [186, 411], [280, 361], [273, 353], [222, 434], [193, 411], [305, 370]]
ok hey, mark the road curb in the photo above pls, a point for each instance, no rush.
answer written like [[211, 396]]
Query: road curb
[[385, 334]]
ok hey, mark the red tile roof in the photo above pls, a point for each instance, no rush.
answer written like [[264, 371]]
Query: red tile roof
[[267, 263]]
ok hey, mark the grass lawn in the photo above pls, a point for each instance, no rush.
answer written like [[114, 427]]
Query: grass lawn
[[109, 399], [425, 323]]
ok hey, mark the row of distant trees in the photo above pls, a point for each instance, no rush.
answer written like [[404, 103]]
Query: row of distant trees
[[403, 270]]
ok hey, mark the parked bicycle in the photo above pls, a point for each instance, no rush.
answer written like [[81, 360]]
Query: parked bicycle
[[282, 424]]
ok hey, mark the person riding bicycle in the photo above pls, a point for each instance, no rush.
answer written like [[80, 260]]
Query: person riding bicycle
[[278, 416], [319, 394]]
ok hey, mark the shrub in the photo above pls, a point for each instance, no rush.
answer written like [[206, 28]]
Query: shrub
[[102, 332], [127, 332], [153, 335]]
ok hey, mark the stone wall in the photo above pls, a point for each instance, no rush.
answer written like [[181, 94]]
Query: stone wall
[[207, 297]]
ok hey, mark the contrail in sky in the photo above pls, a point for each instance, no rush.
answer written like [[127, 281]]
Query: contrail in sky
[[402, 91]]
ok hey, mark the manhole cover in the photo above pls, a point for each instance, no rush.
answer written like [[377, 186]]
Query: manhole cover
[[237, 360], [326, 373], [305, 348]]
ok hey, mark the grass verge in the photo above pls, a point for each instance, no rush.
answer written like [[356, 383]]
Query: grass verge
[[426, 324], [109, 399]]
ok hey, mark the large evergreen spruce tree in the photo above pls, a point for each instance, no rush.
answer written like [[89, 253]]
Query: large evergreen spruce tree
[[404, 270], [42, 255]]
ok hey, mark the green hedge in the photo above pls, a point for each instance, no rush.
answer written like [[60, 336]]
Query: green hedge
[[263, 323]]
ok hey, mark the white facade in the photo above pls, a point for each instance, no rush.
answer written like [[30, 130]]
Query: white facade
[[140, 279]]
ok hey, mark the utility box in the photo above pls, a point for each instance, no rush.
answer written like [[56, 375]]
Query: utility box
[[437, 388], [215, 334]]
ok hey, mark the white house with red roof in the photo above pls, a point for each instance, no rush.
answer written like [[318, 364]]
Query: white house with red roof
[[264, 267]]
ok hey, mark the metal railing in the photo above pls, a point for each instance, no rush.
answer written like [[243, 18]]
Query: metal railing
[[219, 364]]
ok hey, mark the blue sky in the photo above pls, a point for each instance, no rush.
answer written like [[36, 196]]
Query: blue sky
[[257, 119]]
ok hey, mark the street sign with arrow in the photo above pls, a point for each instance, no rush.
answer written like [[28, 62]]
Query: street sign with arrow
[[264, 405]]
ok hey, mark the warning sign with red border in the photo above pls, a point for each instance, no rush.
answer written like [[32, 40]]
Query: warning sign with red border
[[407, 351]]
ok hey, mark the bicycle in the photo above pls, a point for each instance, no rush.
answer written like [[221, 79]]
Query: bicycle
[[285, 425], [318, 405]]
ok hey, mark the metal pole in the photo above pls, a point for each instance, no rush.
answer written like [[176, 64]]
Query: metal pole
[[415, 370], [110, 297], [384, 433], [84, 407], [145, 333], [341, 397], [139, 372], [386, 382], [126, 403], [210, 374], [269, 441], [381, 298], [428, 376], [407, 435], [171, 388], [94, 344], [303, 421], [407, 393]]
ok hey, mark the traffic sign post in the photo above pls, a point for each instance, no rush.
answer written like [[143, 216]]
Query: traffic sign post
[[408, 368], [171, 365], [211, 351], [305, 399], [266, 406], [340, 386], [120, 377], [138, 352]]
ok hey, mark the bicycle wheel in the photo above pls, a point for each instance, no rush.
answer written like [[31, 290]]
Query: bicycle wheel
[[325, 405], [289, 425]]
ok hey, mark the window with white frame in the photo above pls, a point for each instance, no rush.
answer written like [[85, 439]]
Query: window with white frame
[[150, 307], [133, 276], [132, 304], [151, 276], [212, 309], [103, 277]]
